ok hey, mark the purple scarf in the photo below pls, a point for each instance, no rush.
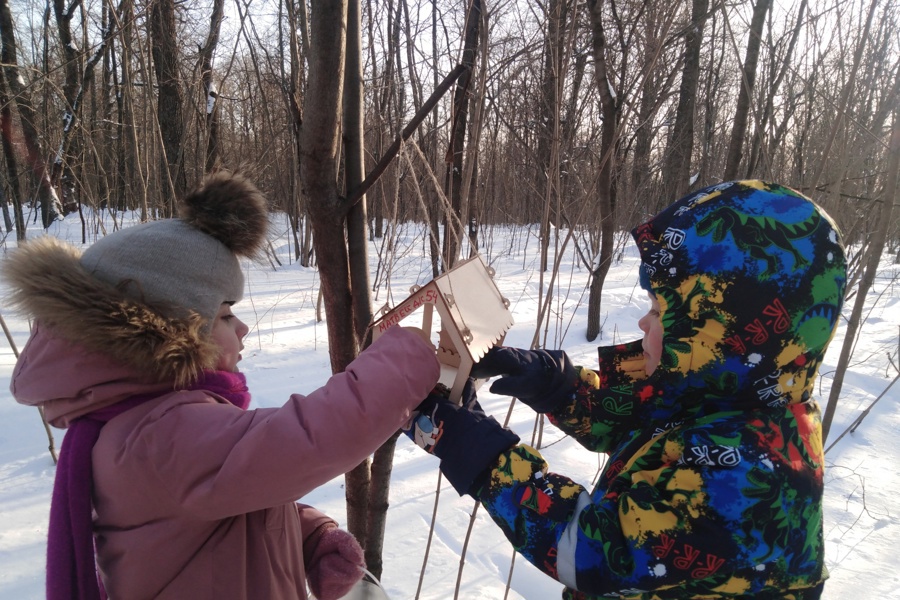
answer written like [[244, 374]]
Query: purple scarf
[[71, 567]]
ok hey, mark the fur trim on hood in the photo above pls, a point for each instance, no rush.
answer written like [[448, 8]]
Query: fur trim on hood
[[50, 284], [146, 296]]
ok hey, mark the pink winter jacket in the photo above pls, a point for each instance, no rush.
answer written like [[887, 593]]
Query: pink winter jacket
[[194, 497]]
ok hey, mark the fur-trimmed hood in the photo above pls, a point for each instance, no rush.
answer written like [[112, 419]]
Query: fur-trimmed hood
[[146, 295], [50, 284]]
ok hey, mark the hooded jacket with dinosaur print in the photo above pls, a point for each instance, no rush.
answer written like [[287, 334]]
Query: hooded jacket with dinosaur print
[[714, 481]]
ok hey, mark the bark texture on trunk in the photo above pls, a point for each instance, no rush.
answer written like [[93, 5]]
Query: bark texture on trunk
[[50, 207], [745, 95], [169, 106]]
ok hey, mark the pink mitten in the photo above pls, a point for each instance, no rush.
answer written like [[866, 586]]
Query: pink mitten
[[336, 564]]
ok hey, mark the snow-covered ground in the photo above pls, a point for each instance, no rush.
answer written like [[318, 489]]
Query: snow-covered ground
[[287, 351]]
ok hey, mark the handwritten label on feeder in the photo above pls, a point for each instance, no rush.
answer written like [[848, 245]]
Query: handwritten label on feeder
[[408, 307], [474, 317]]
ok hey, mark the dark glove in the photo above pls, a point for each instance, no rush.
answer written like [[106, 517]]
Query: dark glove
[[542, 379], [467, 441], [336, 565]]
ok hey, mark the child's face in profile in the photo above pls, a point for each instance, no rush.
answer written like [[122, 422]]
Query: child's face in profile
[[651, 325], [227, 333]]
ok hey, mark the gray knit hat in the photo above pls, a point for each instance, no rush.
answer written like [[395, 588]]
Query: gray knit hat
[[190, 263], [145, 296]]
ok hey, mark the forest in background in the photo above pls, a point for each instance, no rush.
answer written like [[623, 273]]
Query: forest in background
[[570, 104], [582, 117], [592, 114]]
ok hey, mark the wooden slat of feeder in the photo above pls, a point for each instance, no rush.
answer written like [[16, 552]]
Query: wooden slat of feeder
[[477, 305]]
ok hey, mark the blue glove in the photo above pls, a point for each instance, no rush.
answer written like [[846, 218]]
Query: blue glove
[[542, 379], [467, 441]]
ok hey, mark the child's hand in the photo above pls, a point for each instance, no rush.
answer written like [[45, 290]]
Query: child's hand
[[336, 565], [542, 379], [466, 440]]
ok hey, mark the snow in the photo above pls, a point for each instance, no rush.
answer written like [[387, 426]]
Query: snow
[[287, 351]]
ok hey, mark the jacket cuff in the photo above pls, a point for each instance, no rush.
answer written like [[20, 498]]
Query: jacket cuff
[[480, 447], [317, 524]]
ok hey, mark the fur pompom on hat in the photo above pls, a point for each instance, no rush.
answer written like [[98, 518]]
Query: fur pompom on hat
[[229, 208], [147, 294]]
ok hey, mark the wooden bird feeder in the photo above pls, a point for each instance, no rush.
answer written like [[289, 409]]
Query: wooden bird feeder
[[474, 317]]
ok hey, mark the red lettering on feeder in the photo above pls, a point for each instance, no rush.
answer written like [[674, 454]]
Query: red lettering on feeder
[[409, 306]]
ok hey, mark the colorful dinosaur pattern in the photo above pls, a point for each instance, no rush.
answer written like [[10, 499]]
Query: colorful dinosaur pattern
[[714, 478]]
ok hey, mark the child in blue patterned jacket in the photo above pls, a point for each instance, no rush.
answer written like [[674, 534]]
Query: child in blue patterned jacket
[[713, 486]]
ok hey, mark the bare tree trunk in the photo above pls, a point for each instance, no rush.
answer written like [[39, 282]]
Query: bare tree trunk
[[12, 168], [63, 174], [293, 90], [4, 205], [873, 256], [319, 158], [775, 146], [759, 146], [374, 199], [102, 118], [676, 174], [368, 514], [390, 111], [546, 176], [845, 96], [319, 167], [710, 107], [469, 186], [378, 504], [169, 102], [647, 109], [127, 168], [287, 15], [606, 192], [335, 76], [209, 91], [415, 83], [65, 157], [434, 242], [802, 137], [453, 221], [50, 207], [745, 95]]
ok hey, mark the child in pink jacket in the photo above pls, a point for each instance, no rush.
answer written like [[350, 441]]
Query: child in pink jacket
[[167, 486]]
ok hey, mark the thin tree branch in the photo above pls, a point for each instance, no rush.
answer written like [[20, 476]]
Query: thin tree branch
[[391, 152]]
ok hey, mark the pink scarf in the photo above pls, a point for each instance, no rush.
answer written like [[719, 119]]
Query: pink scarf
[[71, 568], [229, 385]]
